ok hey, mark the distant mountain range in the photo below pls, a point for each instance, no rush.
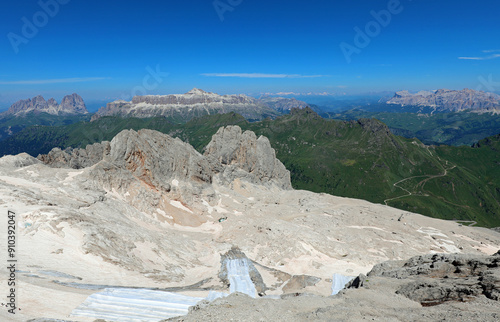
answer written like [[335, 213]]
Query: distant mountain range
[[196, 103], [71, 105], [445, 100]]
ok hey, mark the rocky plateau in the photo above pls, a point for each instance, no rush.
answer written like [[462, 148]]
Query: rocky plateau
[[197, 103]]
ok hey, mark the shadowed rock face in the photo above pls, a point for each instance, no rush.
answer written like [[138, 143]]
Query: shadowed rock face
[[71, 104], [449, 100]]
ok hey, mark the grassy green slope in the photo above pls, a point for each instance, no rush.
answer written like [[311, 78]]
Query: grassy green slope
[[13, 124]]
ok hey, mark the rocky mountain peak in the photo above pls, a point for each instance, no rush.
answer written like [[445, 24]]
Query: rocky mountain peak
[[243, 155], [196, 91], [71, 104]]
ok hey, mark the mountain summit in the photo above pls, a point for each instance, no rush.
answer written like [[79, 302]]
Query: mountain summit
[[71, 104], [449, 100]]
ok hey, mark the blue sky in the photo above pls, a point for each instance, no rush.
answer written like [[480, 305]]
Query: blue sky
[[114, 49]]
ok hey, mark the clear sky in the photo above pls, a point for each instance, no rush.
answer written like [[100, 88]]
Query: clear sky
[[114, 49]]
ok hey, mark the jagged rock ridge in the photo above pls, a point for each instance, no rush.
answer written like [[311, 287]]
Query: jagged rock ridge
[[70, 104], [449, 100], [157, 158]]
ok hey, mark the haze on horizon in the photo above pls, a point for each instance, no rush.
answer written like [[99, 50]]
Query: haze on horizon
[[116, 49]]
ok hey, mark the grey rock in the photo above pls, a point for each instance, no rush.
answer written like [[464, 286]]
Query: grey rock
[[243, 155], [76, 158], [71, 105], [156, 159], [440, 278], [18, 161]]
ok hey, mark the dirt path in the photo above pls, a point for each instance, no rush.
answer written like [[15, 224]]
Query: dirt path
[[421, 183]]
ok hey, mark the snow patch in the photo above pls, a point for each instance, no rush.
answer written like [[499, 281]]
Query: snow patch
[[179, 205]]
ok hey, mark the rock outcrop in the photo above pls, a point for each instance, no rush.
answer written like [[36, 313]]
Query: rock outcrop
[[449, 100], [439, 278], [71, 104], [245, 156], [157, 158], [76, 158]]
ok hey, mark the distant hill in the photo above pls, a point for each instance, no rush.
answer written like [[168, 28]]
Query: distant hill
[[357, 159], [282, 104], [444, 100]]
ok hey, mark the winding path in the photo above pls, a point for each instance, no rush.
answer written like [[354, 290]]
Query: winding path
[[421, 183]]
